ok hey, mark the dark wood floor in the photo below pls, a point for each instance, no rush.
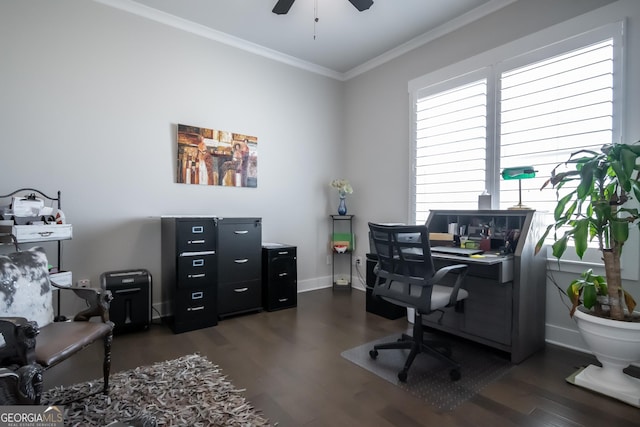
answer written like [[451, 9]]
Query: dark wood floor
[[290, 365]]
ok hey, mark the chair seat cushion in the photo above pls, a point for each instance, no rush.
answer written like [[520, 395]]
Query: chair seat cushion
[[439, 297], [441, 294], [59, 340]]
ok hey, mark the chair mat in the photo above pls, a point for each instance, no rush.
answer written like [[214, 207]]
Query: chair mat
[[428, 378]]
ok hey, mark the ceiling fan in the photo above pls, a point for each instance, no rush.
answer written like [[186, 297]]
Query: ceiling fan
[[283, 6]]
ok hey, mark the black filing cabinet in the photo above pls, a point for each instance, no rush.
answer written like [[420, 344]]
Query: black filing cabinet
[[239, 265], [189, 271], [130, 308], [279, 276], [377, 305]]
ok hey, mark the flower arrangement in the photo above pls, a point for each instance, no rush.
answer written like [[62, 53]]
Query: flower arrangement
[[343, 186]]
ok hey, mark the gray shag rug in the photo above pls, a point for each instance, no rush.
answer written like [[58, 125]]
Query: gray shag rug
[[188, 391], [428, 378]]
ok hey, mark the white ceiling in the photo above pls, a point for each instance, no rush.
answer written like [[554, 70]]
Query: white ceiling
[[347, 42]]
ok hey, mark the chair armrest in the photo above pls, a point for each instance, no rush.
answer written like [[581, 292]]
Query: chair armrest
[[20, 341], [21, 386], [98, 301], [462, 268]]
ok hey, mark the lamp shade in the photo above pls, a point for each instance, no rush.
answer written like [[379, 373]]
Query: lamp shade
[[520, 172]]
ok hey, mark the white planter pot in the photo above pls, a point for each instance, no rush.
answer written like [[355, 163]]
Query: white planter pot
[[616, 345]]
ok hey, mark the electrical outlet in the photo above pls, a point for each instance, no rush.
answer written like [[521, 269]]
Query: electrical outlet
[[358, 260], [84, 283]]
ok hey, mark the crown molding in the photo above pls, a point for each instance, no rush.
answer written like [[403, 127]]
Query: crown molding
[[218, 36], [449, 27]]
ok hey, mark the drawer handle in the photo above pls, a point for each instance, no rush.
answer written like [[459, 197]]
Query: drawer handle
[[45, 233], [241, 261], [127, 291], [283, 253], [195, 276], [241, 231], [197, 295], [241, 290], [282, 274], [283, 299], [197, 229], [197, 262], [195, 308], [195, 242]]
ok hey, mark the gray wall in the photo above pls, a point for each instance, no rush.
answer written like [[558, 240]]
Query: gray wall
[[90, 96], [89, 101], [378, 110]]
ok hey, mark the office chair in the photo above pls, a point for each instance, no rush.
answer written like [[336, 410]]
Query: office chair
[[406, 277]]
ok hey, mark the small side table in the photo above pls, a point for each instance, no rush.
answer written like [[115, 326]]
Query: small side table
[[342, 231]]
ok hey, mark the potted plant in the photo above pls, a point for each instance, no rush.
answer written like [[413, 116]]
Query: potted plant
[[600, 209]]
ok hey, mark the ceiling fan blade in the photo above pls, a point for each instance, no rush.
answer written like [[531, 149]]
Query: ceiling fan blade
[[282, 7], [362, 4]]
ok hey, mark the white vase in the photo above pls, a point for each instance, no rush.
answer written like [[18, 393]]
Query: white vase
[[616, 345]]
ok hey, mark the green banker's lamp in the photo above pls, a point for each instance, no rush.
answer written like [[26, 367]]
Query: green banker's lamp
[[519, 173]]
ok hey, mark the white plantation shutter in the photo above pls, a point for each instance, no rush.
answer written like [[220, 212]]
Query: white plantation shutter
[[450, 148], [551, 109], [531, 110]]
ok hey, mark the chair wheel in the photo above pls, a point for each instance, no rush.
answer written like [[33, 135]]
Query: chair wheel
[[454, 374], [373, 353], [402, 376]]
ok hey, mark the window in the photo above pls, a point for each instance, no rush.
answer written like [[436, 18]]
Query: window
[[451, 147], [532, 110]]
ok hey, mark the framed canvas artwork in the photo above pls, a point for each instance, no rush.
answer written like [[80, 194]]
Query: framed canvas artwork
[[216, 157]]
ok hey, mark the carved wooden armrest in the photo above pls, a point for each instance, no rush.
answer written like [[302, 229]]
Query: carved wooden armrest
[[21, 386], [20, 340], [98, 301]]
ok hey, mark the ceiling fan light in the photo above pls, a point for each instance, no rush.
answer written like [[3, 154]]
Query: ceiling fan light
[[362, 4]]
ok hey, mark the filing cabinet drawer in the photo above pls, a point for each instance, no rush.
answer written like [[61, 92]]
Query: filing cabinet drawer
[[239, 297], [196, 235], [194, 309], [240, 238], [196, 271], [239, 269]]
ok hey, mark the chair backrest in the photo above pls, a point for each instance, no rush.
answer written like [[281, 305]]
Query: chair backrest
[[404, 261], [25, 290]]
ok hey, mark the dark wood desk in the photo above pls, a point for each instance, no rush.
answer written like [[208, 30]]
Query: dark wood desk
[[506, 304]]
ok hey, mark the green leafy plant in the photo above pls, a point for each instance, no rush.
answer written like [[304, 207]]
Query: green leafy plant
[[598, 208]]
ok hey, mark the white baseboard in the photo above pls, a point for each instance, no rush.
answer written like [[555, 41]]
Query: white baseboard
[[565, 337], [322, 283]]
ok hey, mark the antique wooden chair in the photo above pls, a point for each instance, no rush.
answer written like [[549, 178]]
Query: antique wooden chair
[[31, 342]]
